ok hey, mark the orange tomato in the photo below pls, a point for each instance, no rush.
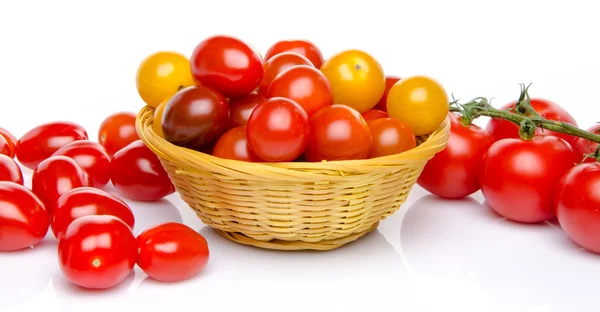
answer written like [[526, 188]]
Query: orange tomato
[[157, 120]]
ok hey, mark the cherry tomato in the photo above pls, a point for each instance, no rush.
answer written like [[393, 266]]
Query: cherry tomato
[[162, 74], [578, 205], [390, 136], [117, 131], [4, 147], [10, 139], [172, 252], [84, 201], [227, 64], [356, 78], [241, 107], [233, 144], [454, 172], [91, 156], [390, 81], [97, 251], [302, 47], [10, 170], [137, 173], [278, 130], [42, 141], [520, 177], [157, 119], [338, 132], [24, 220], [583, 147], [277, 64], [373, 114], [304, 85]]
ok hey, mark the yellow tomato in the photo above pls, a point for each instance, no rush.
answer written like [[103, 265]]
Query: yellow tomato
[[356, 78], [157, 120], [420, 102], [161, 75]]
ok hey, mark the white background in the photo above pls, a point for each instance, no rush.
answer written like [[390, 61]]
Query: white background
[[77, 60]]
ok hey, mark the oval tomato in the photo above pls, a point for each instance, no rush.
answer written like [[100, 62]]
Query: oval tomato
[[11, 140], [390, 81], [302, 47], [373, 114], [390, 136], [117, 131], [10, 170], [157, 118], [276, 65], [241, 107], [91, 156], [233, 144], [583, 147]]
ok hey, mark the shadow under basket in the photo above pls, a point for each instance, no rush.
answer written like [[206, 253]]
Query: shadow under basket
[[292, 205]]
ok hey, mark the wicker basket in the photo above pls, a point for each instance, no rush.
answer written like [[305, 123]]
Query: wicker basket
[[292, 205]]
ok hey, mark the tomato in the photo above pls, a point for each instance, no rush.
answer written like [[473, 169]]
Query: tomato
[[4, 147], [137, 173], [157, 119], [227, 64], [233, 144], [91, 156], [302, 47], [338, 132], [117, 131], [97, 251], [241, 107], [24, 220], [420, 102], [390, 81], [11, 140], [390, 136], [304, 85], [356, 78], [454, 171], [278, 130], [84, 201], [195, 117], [373, 114], [578, 205], [277, 64], [162, 74], [172, 252], [42, 141], [583, 147], [520, 177], [10, 170]]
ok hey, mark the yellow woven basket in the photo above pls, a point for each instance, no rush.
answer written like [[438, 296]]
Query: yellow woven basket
[[292, 205]]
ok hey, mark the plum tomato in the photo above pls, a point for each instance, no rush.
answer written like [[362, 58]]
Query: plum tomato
[[276, 65], [241, 107], [11, 140], [91, 156], [227, 64], [10, 170], [278, 130], [577, 205], [338, 132], [195, 117], [137, 173], [157, 119], [43, 140], [24, 220], [304, 85], [233, 144], [117, 130], [356, 78], [389, 82], [419, 101], [520, 177], [97, 251], [390, 136], [303, 47], [454, 172], [172, 252], [162, 74], [373, 114], [83, 201], [583, 147], [4, 147]]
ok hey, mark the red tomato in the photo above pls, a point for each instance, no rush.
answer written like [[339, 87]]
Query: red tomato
[[302, 47], [578, 205], [519, 177], [11, 140], [338, 132], [84, 201], [373, 114], [389, 83], [4, 147], [454, 172], [304, 85], [278, 130], [42, 141], [10, 170], [138, 174], [583, 147], [277, 64], [390, 136], [227, 64], [97, 251], [241, 107], [233, 144], [171, 252], [117, 131], [91, 156], [24, 220]]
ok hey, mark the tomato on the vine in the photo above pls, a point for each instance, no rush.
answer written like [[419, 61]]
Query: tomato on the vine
[[390, 136], [373, 114], [389, 83], [91, 156], [303, 47], [117, 131], [11, 140], [233, 144], [583, 147], [10, 170], [277, 64], [241, 107]]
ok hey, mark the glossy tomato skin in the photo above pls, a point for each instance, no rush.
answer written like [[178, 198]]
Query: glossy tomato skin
[[11, 140], [186, 257], [24, 220], [454, 172], [304, 85], [116, 131], [233, 144], [278, 130], [97, 251], [157, 118], [276, 65], [390, 136], [84, 201], [137, 173], [91, 156], [390, 80], [338, 132], [583, 147], [241, 107], [10, 170], [373, 114], [520, 177], [303, 47], [42, 141], [227, 64]]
